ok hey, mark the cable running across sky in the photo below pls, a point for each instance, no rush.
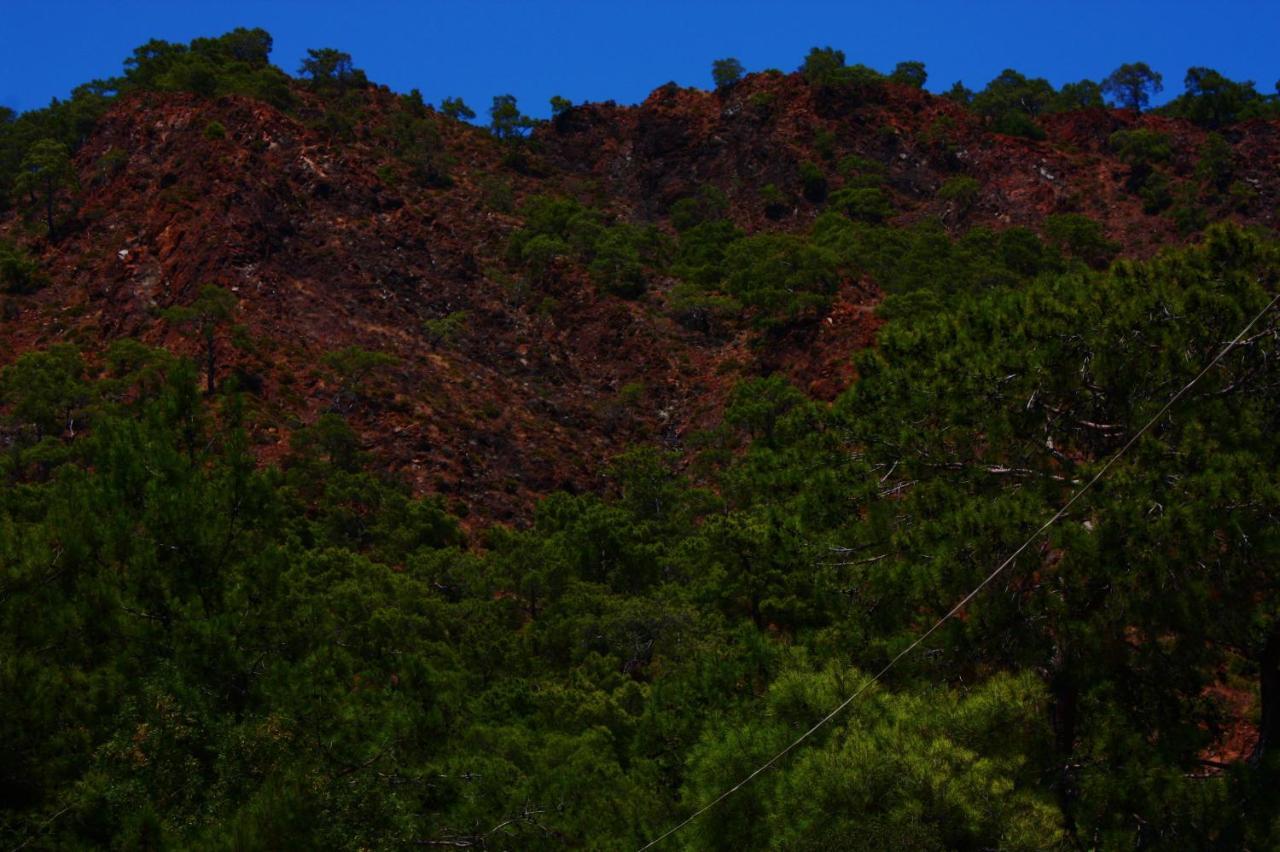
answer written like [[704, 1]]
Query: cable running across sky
[[977, 589]]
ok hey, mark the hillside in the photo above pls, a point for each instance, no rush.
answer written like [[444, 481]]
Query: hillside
[[328, 244], [812, 462]]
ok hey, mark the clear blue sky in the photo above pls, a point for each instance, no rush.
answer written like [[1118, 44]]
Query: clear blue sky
[[609, 49]]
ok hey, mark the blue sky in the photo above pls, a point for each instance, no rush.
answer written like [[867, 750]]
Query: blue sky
[[606, 50]]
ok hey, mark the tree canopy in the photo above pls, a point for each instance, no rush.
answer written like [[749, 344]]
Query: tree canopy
[[726, 72], [1132, 85], [304, 653]]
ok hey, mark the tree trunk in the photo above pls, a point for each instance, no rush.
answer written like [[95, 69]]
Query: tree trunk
[[1065, 700], [1064, 710], [48, 208], [210, 355], [1269, 682]]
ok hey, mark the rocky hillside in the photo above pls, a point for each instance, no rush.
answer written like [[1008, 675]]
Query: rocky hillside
[[507, 384]]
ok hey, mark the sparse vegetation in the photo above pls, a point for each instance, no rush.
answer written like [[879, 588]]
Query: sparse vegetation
[[444, 330]]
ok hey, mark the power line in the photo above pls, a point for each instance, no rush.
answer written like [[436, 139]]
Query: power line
[[969, 597]]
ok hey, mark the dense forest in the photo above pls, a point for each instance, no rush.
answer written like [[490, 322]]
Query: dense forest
[[209, 640]]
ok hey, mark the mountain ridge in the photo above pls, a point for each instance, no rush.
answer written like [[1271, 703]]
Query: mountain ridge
[[327, 245]]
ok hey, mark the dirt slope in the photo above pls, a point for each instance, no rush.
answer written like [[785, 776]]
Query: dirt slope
[[326, 246]]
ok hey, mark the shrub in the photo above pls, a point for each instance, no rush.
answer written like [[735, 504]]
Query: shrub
[[855, 165], [540, 252], [445, 329], [497, 193], [618, 267], [1021, 250], [1212, 100], [1084, 94], [870, 204], [1187, 213], [708, 205], [110, 164], [417, 142], [619, 256], [1081, 237], [1215, 167], [1141, 147], [1156, 193], [700, 252], [237, 62], [762, 103], [823, 65], [961, 190], [1015, 123], [775, 202], [1242, 195], [700, 310], [1011, 102], [783, 275], [1143, 150], [814, 181], [824, 142], [19, 273], [909, 74], [353, 366]]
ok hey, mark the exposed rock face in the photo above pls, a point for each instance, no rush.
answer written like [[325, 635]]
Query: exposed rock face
[[325, 248]]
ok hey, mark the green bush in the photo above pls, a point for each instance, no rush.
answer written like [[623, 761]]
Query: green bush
[[922, 256], [235, 63], [775, 201], [824, 142], [869, 204], [1144, 151], [823, 66], [854, 166], [446, 329], [1215, 167], [1012, 102], [1142, 147], [1156, 193], [415, 140], [960, 190], [700, 251], [110, 164], [1212, 100], [1242, 195], [783, 275], [707, 205], [909, 74], [813, 181], [621, 257], [19, 272], [1187, 212], [1081, 237]]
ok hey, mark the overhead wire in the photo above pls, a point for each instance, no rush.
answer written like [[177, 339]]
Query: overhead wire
[[1133, 439]]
